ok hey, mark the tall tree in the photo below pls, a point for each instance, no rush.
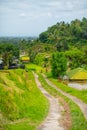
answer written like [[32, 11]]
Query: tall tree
[[59, 64], [8, 51]]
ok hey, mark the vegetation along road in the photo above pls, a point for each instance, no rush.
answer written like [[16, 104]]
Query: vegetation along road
[[83, 106]]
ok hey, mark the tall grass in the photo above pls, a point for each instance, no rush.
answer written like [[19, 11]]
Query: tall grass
[[21, 102], [82, 95]]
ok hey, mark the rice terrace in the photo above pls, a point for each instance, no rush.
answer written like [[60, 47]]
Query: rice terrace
[[43, 65]]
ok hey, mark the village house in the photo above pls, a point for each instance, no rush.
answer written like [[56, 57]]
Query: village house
[[25, 59]]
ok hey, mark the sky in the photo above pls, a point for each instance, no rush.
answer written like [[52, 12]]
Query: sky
[[31, 17]]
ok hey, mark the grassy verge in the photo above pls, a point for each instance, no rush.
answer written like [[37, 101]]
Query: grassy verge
[[78, 120], [22, 105], [82, 95], [34, 67]]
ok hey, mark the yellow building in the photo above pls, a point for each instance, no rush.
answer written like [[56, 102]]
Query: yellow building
[[25, 58]]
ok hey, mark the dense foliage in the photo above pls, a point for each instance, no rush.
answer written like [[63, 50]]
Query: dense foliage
[[70, 38], [63, 33], [59, 64], [8, 52]]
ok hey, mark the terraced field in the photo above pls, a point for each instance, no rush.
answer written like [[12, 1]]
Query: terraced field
[[22, 105]]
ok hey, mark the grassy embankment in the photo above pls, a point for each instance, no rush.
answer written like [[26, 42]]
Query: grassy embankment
[[81, 94], [78, 120], [22, 105], [35, 67]]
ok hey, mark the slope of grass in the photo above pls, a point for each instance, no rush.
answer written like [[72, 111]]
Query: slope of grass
[[22, 105], [78, 120]]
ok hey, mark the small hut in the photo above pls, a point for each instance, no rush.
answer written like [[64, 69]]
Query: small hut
[[77, 74], [25, 59]]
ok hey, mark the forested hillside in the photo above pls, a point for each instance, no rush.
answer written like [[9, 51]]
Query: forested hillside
[[65, 33], [68, 38]]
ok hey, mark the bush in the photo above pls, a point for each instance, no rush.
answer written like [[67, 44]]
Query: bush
[[22, 66], [59, 64]]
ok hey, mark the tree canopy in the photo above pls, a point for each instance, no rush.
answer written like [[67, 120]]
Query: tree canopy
[[59, 64], [8, 51], [63, 33]]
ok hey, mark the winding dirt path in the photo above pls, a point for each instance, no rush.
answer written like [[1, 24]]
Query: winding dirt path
[[82, 105], [52, 121]]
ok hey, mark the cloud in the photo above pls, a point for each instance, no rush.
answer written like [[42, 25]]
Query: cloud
[[22, 15], [44, 6], [37, 15], [65, 4]]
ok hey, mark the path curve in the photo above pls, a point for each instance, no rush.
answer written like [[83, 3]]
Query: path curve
[[52, 121], [82, 105]]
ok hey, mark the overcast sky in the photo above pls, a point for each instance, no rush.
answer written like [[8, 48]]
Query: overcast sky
[[31, 17]]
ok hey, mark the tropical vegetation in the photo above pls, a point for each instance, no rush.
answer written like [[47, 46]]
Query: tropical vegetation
[[61, 48]]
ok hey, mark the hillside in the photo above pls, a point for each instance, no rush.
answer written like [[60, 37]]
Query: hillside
[[66, 33], [22, 105]]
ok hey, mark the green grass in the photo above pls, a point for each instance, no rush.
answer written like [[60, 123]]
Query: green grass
[[78, 120], [34, 67], [21, 99], [82, 95], [20, 126]]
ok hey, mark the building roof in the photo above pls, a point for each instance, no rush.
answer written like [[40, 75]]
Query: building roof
[[25, 58], [77, 74]]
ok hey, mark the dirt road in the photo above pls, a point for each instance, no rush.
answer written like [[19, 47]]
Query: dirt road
[[82, 105], [52, 121]]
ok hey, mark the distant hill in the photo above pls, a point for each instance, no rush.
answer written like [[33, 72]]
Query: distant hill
[[15, 39]]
